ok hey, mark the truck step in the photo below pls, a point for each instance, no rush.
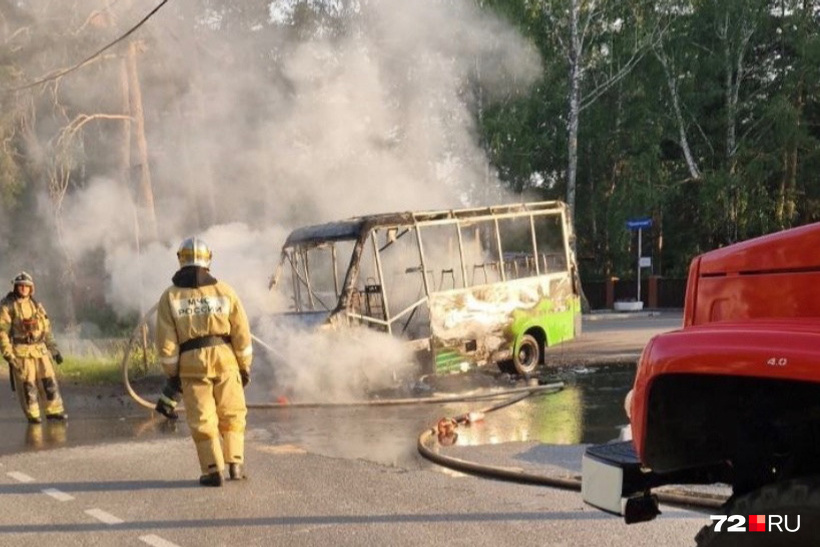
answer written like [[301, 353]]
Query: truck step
[[623, 454], [613, 480]]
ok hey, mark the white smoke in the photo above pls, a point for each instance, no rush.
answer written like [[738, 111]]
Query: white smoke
[[256, 132], [330, 366]]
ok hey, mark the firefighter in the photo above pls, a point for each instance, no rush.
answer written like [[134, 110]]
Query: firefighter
[[203, 338], [28, 346]]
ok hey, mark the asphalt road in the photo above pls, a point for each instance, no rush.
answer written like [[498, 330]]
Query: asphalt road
[[614, 337], [139, 493], [364, 486]]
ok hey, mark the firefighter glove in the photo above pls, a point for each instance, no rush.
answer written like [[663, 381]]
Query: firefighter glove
[[166, 407], [11, 361], [58, 357], [246, 377], [167, 402]]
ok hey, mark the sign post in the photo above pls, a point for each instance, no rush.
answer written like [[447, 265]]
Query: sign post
[[639, 224]]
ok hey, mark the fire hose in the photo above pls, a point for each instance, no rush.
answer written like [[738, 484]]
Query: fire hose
[[444, 429], [528, 390], [444, 433]]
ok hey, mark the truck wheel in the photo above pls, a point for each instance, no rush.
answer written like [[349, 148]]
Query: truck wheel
[[794, 504], [528, 355]]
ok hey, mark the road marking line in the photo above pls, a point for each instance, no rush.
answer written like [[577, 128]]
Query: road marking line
[[20, 477], [104, 517], [57, 494], [157, 541]]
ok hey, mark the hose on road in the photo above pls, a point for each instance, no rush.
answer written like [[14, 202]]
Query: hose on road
[[428, 438], [428, 445], [484, 395]]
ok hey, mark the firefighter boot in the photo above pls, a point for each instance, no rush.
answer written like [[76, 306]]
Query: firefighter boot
[[211, 479], [236, 472]]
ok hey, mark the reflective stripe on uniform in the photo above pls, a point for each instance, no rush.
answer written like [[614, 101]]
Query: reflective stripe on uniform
[[168, 401], [248, 351]]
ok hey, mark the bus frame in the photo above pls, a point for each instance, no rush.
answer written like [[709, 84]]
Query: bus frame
[[528, 301]]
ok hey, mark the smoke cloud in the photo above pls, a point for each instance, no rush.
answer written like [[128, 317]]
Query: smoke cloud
[[329, 366], [258, 122]]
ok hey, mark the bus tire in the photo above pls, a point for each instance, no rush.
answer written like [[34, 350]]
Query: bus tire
[[528, 356]]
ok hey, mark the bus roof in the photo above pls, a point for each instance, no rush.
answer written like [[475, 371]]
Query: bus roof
[[351, 228]]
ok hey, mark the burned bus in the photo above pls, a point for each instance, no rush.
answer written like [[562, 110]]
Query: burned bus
[[464, 287]]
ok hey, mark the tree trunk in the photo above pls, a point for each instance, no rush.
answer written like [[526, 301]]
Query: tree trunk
[[145, 191], [672, 84], [575, 76], [728, 67], [792, 162], [125, 129]]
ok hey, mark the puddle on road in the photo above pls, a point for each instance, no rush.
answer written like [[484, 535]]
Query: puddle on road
[[588, 410], [81, 429]]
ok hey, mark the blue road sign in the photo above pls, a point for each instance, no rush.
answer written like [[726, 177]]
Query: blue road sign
[[639, 223]]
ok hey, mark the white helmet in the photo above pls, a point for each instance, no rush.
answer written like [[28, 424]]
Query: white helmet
[[23, 278], [194, 252]]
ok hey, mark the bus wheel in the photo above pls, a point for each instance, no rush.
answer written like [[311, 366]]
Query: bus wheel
[[528, 355]]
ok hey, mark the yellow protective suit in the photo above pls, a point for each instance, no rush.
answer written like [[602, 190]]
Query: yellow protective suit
[[203, 336], [27, 340]]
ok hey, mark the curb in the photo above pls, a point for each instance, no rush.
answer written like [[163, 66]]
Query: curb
[[603, 315]]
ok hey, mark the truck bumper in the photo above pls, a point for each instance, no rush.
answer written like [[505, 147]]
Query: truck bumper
[[614, 481]]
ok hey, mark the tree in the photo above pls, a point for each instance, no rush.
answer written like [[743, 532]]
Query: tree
[[586, 31]]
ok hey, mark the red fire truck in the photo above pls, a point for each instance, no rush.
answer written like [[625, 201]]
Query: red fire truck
[[733, 396]]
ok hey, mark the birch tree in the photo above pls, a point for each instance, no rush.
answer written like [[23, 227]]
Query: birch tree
[[584, 31], [675, 72]]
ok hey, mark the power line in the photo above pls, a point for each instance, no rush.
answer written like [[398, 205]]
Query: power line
[[93, 56]]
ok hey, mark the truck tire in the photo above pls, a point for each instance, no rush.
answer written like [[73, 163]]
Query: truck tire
[[788, 499]]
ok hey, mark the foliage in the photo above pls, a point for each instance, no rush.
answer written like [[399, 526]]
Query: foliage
[[746, 75], [713, 132]]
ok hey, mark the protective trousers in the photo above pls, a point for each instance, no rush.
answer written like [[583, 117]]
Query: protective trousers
[[34, 381], [215, 410]]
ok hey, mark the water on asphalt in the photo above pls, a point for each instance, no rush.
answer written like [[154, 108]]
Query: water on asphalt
[[588, 410]]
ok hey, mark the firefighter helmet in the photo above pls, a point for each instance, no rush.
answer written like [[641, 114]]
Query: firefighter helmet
[[23, 278], [194, 252]]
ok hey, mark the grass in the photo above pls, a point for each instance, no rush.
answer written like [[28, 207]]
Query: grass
[[100, 370], [91, 371]]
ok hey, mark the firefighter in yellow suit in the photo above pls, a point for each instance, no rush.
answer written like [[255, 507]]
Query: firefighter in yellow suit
[[204, 340], [28, 345]]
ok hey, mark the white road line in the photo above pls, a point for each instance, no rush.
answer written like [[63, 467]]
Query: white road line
[[157, 541], [57, 494], [104, 517], [20, 477]]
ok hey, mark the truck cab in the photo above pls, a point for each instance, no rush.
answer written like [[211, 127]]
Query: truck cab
[[734, 395]]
